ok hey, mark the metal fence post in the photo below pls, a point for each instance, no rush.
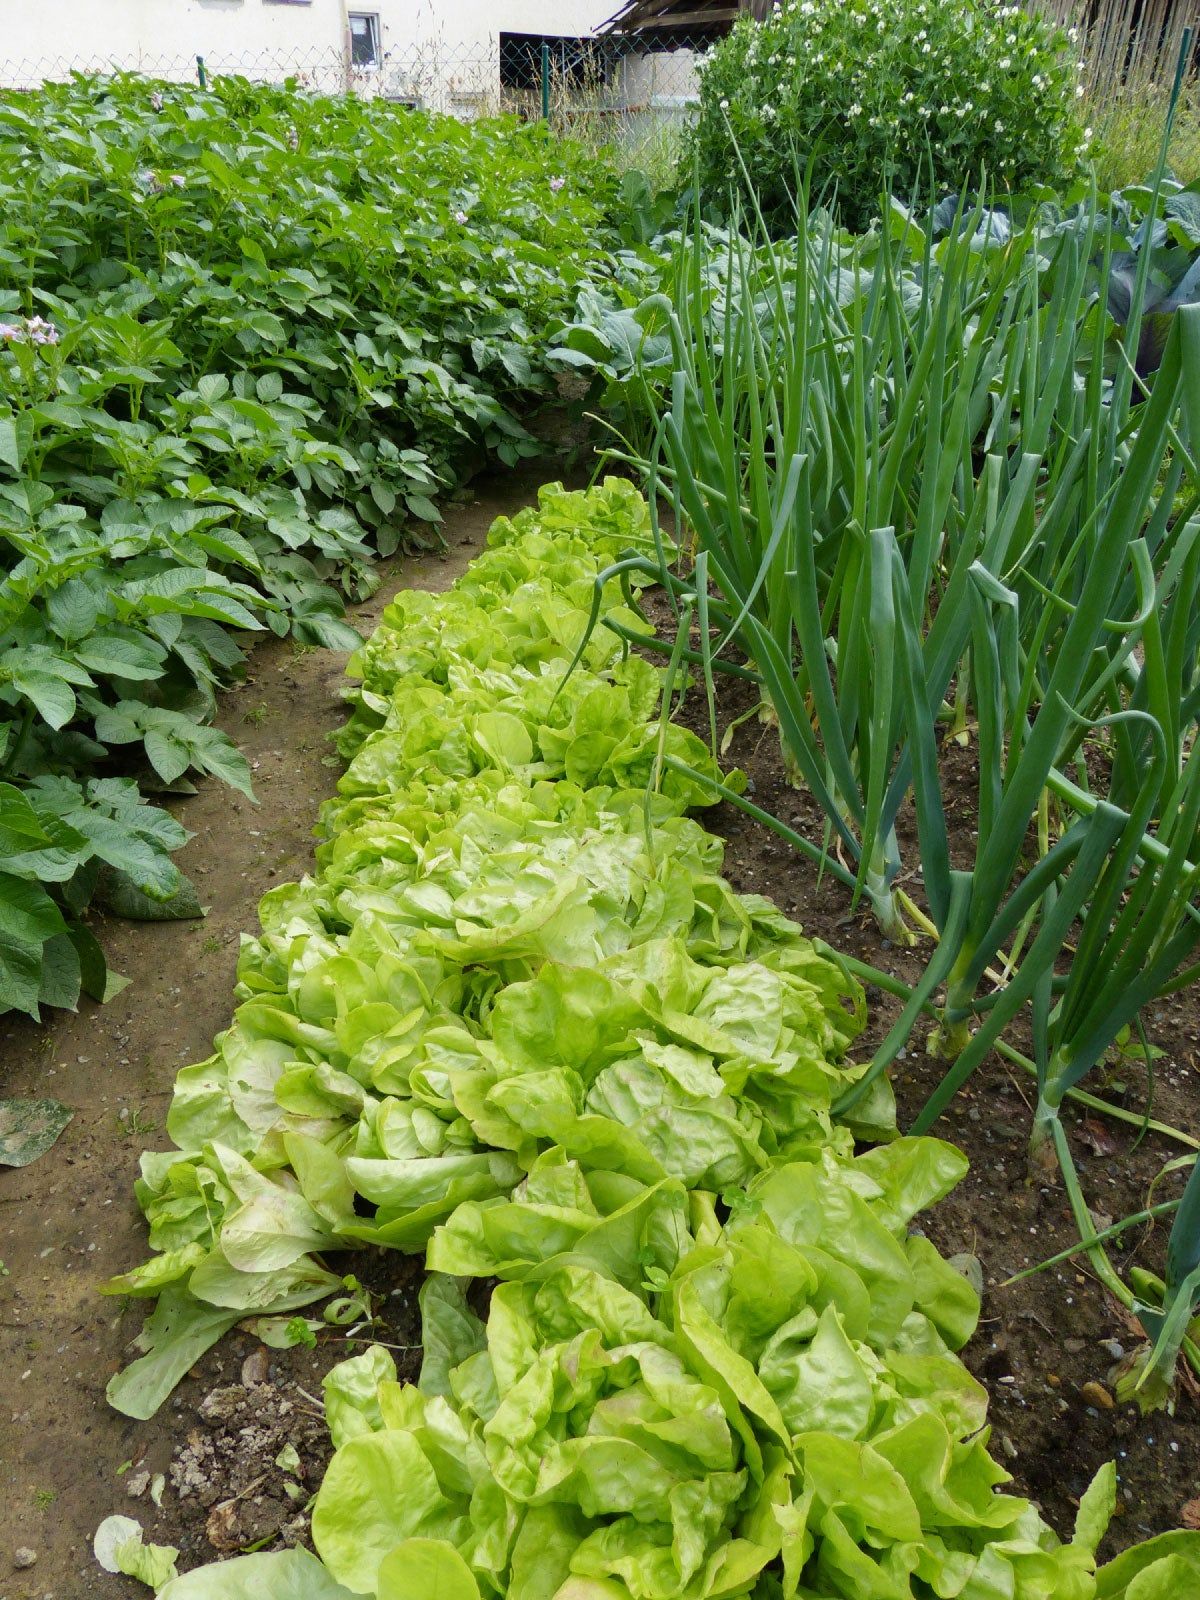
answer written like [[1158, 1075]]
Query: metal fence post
[[201, 72], [545, 82]]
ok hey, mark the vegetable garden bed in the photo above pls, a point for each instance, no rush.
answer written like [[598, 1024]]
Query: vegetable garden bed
[[742, 1314], [693, 1305], [69, 1220], [1047, 1345]]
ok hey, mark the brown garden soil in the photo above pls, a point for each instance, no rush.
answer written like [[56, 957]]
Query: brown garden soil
[[238, 1450], [1046, 1347], [69, 1221]]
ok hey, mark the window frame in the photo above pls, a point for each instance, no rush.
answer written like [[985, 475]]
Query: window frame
[[375, 35]]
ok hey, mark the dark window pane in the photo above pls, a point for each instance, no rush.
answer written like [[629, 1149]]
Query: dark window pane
[[364, 39]]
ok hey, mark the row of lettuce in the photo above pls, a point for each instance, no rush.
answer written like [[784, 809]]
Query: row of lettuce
[[247, 337], [519, 1022]]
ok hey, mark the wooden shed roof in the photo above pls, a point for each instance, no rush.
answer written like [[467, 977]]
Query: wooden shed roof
[[662, 17]]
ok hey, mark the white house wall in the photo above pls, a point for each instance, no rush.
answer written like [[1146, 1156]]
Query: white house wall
[[40, 37], [131, 33]]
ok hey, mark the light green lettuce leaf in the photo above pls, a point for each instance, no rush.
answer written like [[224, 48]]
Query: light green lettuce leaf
[[430, 1568], [174, 1337], [378, 1489], [280, 1575], [1164, 1568], [450, 1331], [818, 1379], [351, 1392], [119, 1546], [1096, 1507], [218, 1282]]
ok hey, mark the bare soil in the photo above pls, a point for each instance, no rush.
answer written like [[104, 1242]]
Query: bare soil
[[69, 1221]]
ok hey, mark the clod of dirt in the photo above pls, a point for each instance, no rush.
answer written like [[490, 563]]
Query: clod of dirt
[[256, 1368], [231, 1467], [24, 1557]]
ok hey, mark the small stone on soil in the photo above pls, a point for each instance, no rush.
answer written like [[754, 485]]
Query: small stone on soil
[[1097, 1395]]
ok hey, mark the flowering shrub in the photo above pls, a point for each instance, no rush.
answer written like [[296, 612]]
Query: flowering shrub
[[885, 95]]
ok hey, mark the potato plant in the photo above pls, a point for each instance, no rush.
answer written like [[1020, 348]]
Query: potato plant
[[247, 336]]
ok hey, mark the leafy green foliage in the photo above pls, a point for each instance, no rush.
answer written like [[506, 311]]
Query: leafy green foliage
[[932, 494], [520, 1016], [758, 1428], [884, 96], [57, 836], [1150, 231], [559, 976], [247, 336]]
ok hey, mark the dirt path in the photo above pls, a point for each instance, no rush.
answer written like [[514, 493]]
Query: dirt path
[[69, 1221]]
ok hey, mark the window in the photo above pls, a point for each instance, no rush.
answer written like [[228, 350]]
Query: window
[[364, 39]]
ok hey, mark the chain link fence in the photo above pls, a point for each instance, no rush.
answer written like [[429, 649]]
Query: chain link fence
[[637, 92], [612, 90]]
